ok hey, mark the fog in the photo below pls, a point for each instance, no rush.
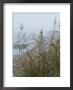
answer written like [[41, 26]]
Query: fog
[[33, 22]]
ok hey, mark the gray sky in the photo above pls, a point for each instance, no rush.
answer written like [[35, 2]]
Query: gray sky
[[33, 22]]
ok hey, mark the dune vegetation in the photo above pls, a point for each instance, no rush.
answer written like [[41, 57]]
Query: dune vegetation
[[38, 57]]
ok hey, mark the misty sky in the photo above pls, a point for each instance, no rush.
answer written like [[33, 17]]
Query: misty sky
[[33, 22]]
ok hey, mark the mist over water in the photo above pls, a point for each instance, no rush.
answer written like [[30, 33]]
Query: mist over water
[[32, 23]]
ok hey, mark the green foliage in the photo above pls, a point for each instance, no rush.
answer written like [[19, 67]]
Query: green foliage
[[41, 62]]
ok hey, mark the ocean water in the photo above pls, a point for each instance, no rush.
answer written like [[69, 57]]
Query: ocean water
[[15, 52]]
